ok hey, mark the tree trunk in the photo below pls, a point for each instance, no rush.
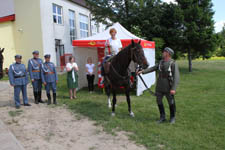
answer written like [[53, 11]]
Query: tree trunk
[[189, 60]]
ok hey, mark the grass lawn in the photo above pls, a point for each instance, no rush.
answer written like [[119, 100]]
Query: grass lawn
[[5, 78], [200, 101]]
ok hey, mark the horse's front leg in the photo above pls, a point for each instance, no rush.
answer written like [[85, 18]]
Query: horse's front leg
[[114, 102], [107, 89], [129, 102]]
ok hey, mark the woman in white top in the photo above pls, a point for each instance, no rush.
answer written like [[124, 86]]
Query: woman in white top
[[113, 44], [112, 47], [90, 72], [72, 77]]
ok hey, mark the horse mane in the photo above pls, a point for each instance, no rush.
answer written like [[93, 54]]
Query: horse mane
[[122, 60]]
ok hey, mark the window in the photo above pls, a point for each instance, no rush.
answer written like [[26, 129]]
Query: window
[[94, 28], [72, 25], [83, 26], [57, 14]]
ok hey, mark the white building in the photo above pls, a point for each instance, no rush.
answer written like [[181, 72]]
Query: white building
[[45, 25], [63, 21]]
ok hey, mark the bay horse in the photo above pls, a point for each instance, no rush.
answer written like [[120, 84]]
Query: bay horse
[[1, 62], [118, 74]]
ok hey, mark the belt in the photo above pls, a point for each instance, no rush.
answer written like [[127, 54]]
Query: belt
[[20, 76], [163, 76], [35, 70], [49, 73]]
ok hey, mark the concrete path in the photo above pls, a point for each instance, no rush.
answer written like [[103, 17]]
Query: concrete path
[[7, 140]]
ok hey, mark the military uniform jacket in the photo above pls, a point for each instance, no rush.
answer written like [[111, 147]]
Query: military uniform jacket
[[34, 68], [18, 74], [48, 72], [163, 82]]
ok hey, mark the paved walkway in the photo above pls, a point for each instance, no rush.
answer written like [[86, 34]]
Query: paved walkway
[[7, 140]]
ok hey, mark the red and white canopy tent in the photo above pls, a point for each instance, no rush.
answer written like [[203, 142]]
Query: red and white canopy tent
[[97, 42]]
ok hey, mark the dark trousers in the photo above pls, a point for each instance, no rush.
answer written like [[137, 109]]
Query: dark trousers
[[90, 79], [37, 85], [171, 102]]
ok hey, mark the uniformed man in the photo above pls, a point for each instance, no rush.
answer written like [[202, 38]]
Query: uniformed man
[[18, 78], [34, 68], [49, 78], [168, 78]]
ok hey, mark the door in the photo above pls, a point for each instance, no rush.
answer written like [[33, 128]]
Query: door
[[59, 48]]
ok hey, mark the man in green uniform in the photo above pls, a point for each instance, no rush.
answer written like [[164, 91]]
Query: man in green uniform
[[167, 81]]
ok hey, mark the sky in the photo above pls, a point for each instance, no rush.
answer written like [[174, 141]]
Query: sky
[[219, 16]]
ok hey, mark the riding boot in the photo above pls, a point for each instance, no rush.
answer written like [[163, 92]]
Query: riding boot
[[36, 98], [54, 99], [172, 113], [39, 97], [162, 114], [49, 99]]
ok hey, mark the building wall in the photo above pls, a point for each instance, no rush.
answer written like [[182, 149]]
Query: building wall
[[27, 28], [7, 42], [52, 31]]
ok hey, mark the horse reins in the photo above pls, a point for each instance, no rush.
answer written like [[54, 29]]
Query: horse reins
[[120, 76]]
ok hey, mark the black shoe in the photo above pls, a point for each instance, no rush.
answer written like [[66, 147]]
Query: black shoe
[[27, 104], [49, 99], [172, 120], [162, 114], [161, 120], [54, 99], [41, 101], [17, 107]]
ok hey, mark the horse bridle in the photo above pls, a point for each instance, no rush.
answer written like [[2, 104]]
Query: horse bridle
[[138, 68], [134, 57]]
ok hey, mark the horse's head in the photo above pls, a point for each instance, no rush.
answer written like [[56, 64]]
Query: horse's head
[[137, 54]]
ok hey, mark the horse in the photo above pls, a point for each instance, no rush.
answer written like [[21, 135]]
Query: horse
[[1, 62], [118, 72]]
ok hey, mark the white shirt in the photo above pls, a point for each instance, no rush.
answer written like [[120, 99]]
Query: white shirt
[[70, 66], [114, 45], [90, 68]]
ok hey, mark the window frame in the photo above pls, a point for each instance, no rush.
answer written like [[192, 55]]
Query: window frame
[[86, 23], [72, 37], [57, 15]]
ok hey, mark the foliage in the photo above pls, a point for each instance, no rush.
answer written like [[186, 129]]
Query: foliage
[[200, 111], [139, 16], [221, 48], [198, 38], [159, 44], [187, 26]]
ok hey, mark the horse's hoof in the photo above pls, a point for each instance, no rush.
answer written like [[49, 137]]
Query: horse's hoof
[[113, 114], [109, 105], [131, 114]]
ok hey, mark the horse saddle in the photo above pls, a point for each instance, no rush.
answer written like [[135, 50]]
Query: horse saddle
[[107, 66]]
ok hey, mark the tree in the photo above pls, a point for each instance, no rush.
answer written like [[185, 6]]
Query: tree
[[198, 36], [171, 26], [138, 16], [221, 40]]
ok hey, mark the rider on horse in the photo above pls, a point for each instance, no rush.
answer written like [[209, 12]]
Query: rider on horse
[[113, 46]]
